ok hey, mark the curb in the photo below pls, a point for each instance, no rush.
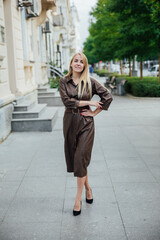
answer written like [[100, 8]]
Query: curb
[[147, 98]]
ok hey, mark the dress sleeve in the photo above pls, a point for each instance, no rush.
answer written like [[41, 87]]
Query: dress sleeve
[[67, 101], [102, 92]]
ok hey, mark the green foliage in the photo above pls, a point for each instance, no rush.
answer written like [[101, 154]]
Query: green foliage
[[148, 87], [122, 29], [118, 75], [52, 63], [137, 31], [101, 72], [155, 13], [145, 79], [104, 29], [54, 82], [65, 72], [105, 73], [90, 50]]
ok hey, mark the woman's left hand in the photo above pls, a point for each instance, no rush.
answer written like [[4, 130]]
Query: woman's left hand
[[87, 112]]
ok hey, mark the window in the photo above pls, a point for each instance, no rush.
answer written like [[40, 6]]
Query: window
[[2, 34], [153, 69]]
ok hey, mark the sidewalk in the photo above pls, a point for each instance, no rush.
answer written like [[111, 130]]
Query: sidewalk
[[37, 195]]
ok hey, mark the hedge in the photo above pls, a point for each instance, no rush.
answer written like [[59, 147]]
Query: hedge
[[148, 87], [117, 75], [101, 72], [105, 73]]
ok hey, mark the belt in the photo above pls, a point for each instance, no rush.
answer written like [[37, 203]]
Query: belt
[[75, 110]]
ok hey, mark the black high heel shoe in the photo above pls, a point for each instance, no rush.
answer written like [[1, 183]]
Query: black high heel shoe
[[90, 201], [76, 213]]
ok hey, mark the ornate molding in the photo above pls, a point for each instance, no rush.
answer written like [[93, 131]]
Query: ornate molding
[[46, 5]]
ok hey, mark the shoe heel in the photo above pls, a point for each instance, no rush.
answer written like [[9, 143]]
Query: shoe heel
[[76, 213], [90, 201]]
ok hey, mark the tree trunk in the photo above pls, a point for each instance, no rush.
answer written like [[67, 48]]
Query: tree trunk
[[159, 67], [121, 67], [109, 64], [130, 71], [133, 68], [141, 70]]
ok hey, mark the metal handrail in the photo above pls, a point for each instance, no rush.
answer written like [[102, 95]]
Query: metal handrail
[[54, 70]]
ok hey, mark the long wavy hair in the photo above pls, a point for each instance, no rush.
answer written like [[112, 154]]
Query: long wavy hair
[[84, 78]]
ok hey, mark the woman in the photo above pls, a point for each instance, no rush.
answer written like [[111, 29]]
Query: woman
[[76, 90]]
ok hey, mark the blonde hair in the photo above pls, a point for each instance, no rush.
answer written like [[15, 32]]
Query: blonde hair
[[84, 76]]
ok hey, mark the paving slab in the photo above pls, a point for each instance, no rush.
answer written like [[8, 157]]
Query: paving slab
[[137, 192], [140, 214], [41, 187], [37, 194], [131, 175], [31, 209], [29, 231], [7, 192], [130, 162], [151, 233]]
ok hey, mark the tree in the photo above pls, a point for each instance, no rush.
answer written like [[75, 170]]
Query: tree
[[90, 50], [138, 30], [122, 29], [154, 6], [103, 32], [103, 29]]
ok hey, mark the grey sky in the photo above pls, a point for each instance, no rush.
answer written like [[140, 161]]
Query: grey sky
[[83, 8]]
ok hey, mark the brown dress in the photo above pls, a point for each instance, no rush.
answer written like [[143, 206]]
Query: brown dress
[[78, 130]]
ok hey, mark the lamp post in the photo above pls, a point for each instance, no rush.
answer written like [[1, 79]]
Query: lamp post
[[46, 30], [58, 57]]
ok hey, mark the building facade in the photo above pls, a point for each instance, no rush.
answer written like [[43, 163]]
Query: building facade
[[33, 33]]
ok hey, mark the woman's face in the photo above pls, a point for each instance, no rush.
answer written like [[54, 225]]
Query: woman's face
[[77, 64]]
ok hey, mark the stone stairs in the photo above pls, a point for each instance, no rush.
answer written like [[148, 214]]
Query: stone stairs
[[30, 116], [48, 96]]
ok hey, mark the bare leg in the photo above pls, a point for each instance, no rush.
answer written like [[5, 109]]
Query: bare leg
[[80, 185], [88, 189]]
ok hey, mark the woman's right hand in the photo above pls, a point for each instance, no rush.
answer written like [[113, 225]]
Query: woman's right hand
[[95, 103]]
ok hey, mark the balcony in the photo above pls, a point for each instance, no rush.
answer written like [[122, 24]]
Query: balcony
[[57, 20], [48, 4]]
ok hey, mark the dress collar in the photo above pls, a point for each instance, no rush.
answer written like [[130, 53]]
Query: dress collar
[[69, 78]]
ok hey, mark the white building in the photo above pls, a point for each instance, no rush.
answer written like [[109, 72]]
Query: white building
[[30, 37]]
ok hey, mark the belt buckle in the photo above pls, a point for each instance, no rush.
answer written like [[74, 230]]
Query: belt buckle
[[75, 110]]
